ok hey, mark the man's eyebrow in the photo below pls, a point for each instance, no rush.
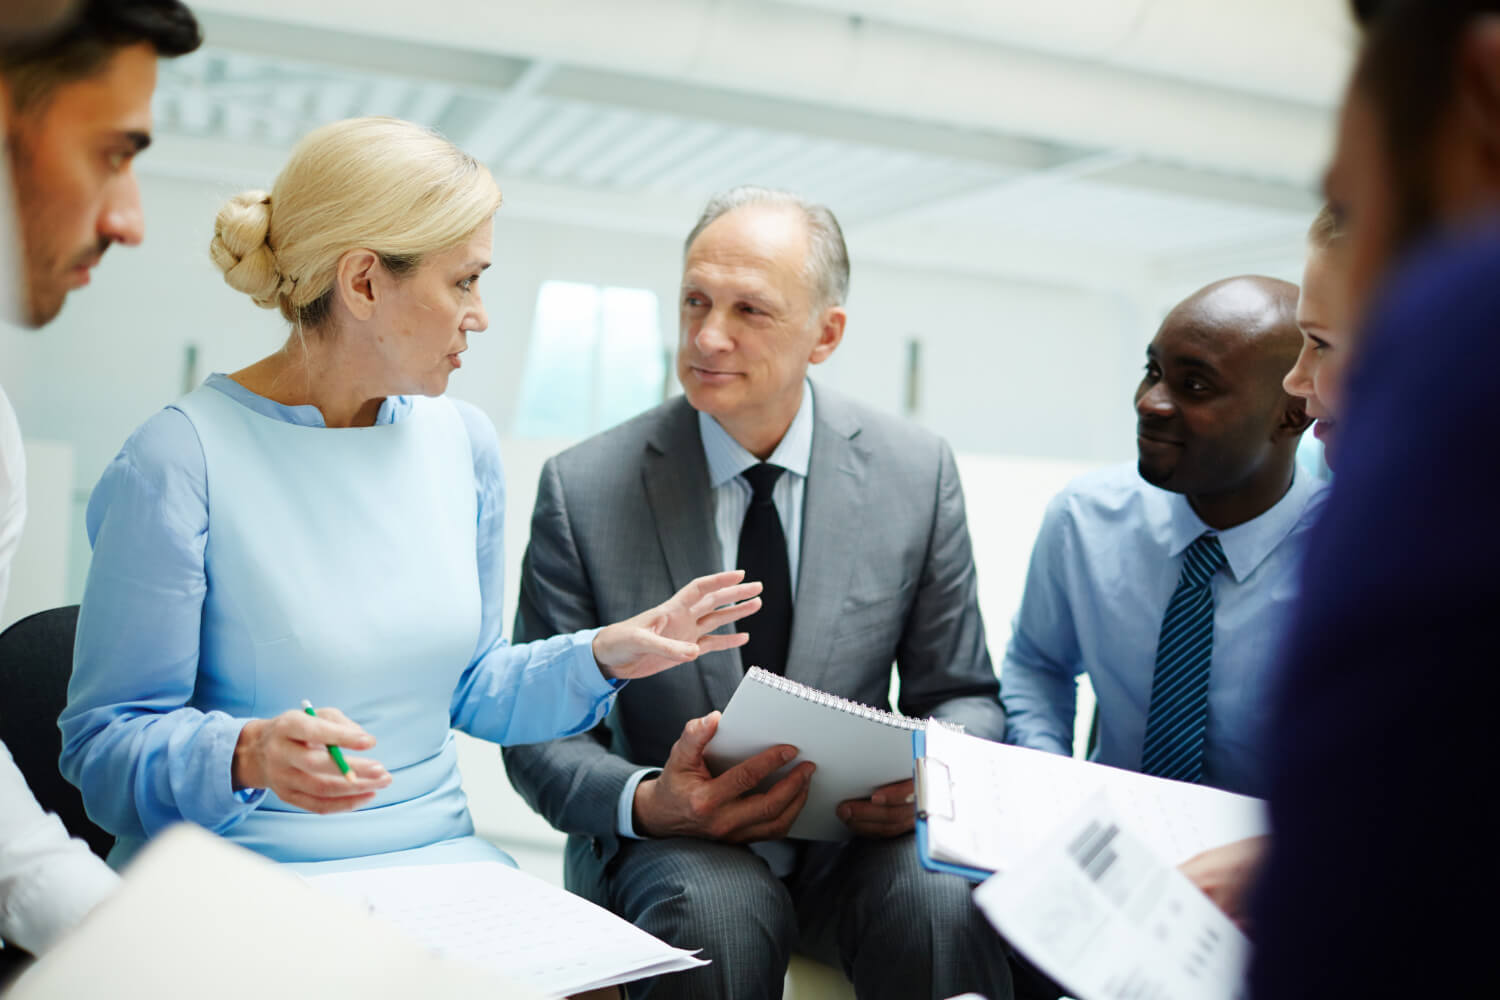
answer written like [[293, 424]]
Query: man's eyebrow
[[1188, 361]]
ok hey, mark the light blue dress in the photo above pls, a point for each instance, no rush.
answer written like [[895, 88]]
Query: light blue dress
[[247, 557]]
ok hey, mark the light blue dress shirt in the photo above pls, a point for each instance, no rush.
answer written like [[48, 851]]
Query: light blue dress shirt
[[730, 496], [1102, 573], [188, 629]]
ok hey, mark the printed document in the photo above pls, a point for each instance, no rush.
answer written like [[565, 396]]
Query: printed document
[[1094, 908]]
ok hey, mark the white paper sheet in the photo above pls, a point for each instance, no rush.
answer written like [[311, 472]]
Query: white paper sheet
[[501, 918], [989, 805], [1094, 908], [198, 916]]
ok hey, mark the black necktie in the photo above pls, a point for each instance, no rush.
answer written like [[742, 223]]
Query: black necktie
[[763, 557]]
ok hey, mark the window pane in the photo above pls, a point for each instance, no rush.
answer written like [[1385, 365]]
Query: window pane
[[630, 355], [596, 359], [557, 389]]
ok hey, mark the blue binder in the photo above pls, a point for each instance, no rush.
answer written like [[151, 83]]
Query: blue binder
[[933, 792]]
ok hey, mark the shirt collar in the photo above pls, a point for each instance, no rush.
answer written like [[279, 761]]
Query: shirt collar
[[1246, 545], [392, 408], [727, 458]]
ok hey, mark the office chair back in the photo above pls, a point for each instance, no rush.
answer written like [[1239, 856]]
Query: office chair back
[[36, 660]]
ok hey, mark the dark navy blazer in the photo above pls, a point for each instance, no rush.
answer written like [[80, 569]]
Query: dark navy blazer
[[1384, 874]]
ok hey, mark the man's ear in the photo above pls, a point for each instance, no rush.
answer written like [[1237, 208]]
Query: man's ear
[[354, 282], [830, 334], [1477, 93]]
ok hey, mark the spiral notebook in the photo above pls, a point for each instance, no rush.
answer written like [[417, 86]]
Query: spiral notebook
[[857, 748]]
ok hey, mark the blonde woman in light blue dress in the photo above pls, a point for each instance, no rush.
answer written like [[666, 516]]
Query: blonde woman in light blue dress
[[327, 525]]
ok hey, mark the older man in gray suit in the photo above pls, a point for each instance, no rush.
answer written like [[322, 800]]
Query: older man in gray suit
[[854, 521]]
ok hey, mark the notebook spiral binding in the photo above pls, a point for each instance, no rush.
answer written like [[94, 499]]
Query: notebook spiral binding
[[791, 687]]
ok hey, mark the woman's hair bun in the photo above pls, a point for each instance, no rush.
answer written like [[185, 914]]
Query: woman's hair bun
[[240, 250]]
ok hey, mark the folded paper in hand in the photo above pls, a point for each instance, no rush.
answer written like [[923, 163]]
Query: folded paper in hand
[[1096, 909]]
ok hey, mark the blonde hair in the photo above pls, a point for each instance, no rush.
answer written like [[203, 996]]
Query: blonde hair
[[381, 184], [1326, 231]]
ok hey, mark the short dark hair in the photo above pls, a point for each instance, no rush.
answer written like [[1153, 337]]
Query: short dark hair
[[33, 70], [1407, 71]]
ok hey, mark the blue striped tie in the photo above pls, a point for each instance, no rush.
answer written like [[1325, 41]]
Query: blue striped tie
[[1184, 655]]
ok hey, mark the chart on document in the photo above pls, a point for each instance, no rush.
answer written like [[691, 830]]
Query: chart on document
[[1096, 909]]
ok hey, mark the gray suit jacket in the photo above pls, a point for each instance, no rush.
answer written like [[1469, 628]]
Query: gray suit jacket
[[623, 520]]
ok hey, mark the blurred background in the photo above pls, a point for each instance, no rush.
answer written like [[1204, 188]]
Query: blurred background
[[1026, 189]]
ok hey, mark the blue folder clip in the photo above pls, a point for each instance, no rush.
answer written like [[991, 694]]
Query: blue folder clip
[[934, 789]]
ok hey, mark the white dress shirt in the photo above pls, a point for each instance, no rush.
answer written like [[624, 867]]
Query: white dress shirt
[[48, 880], [12, 491]]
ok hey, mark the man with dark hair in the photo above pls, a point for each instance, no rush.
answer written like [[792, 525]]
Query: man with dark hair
[[1167, 581], [23, 20], [76, 108], [1381, 878], [854, 522]]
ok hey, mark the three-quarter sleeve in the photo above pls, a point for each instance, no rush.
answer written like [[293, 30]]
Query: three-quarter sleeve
[[525, 693], [142, 757]]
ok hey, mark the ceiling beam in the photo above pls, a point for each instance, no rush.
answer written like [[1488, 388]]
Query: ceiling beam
[[502, 122], [1021, 186]]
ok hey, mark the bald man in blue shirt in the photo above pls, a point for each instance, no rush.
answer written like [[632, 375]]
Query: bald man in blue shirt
[[1168, 581]]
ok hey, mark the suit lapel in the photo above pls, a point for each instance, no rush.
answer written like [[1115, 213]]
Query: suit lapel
[[832, 521], [675, 477]]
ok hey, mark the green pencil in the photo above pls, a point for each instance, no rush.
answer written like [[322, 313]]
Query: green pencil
[[333, 751]]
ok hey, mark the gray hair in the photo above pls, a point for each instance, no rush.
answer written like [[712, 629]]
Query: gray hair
[[827, 256]]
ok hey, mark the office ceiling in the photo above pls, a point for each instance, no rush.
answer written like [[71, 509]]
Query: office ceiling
[[1122, 158]]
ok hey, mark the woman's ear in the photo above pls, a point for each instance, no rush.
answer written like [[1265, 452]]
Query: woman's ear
[[354, 282]]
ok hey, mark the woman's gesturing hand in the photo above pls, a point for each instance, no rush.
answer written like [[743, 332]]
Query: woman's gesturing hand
[[289, 755], [678, 631]]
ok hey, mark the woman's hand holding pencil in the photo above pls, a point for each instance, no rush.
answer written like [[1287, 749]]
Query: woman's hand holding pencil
[[298, 756]]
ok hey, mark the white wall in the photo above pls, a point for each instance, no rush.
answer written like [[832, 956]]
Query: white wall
[[1007, 368], [39, 572]]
